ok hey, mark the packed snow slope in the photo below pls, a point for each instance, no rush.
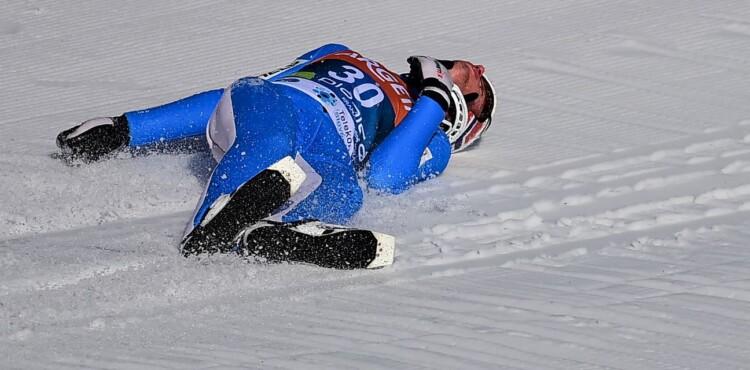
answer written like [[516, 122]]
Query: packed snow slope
[[602, 223]]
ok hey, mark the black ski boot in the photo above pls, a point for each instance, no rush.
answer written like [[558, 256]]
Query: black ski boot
[[94, 139], [317, 243], [254, 200]]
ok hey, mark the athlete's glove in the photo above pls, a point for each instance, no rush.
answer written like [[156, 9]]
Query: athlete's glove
[[95, 138], [433, 77]]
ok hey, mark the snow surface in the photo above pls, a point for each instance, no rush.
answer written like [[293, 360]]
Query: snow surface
[[601, 224]]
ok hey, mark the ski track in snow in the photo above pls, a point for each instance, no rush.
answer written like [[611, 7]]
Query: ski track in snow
[[601, 224]]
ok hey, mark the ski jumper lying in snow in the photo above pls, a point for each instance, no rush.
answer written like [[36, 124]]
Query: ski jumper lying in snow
[[291, 144]]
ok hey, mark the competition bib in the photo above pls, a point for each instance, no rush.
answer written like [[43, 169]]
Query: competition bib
[[386, 81]]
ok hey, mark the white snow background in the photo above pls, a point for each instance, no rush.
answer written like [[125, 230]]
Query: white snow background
[[601, 224]]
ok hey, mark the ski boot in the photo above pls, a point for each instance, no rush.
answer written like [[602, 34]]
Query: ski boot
[[94, 139], [256, 199], [314, 242]]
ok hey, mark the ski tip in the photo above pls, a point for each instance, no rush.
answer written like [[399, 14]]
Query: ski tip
[[385, 251]]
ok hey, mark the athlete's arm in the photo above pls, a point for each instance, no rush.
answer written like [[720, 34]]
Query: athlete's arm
[[414, 151]]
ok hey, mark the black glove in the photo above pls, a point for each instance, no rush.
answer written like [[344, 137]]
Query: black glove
[[433, 77], [95, 138]]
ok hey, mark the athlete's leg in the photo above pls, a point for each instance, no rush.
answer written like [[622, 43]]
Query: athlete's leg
[[180, 119], [242, 188], [338, 196], [272, 122], [99, 137], [335, 200]]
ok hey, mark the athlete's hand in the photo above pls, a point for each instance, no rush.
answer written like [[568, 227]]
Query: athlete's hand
[[434, 79]]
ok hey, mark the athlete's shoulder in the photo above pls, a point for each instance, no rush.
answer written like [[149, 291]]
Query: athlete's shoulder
[[302, 61], [323, 51]]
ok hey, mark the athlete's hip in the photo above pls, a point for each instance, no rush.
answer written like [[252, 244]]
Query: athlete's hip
[[252, 106]]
